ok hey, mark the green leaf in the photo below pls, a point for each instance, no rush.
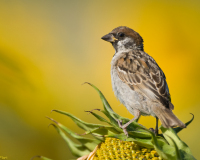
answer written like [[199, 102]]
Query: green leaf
[[83, 125], [77, 150], [163, 149], [139, 133], [88, 127], [100, 118], [184, 149], [178, 129], [178, 154], [87, 142], [112, 120], [103, 131], [105, 103], [116, 129]]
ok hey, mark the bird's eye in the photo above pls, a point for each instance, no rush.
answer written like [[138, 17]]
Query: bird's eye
[[121, 34]]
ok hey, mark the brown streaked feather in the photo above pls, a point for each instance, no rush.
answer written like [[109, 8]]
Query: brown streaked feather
[[167, 118], [141, 73]]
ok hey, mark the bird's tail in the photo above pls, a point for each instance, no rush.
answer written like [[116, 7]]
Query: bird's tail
[[167, 117]]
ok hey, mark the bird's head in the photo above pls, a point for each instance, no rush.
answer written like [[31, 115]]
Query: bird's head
[[123, 38]]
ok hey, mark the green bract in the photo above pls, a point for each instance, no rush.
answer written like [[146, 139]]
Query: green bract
[[168, 145]]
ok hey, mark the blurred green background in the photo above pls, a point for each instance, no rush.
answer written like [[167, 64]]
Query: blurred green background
[[49, 48]]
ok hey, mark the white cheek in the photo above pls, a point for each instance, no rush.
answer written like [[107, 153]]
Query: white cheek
[[122, 43]]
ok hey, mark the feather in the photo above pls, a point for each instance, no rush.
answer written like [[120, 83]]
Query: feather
[[141, 72], [167, 117]]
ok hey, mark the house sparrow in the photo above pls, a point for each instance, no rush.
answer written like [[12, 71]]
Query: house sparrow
[[137, 80]]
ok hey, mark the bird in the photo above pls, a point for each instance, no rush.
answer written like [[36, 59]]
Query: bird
[[137, 80]]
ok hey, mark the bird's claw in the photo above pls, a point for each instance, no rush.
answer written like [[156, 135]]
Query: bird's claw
[[122, 127], [125, 132], [119, 123], [155, 131]]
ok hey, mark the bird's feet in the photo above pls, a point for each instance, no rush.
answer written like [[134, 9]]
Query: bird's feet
[[155, 131], [122, 127]]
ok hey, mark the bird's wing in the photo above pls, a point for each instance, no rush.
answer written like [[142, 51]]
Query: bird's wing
[[142, 74]]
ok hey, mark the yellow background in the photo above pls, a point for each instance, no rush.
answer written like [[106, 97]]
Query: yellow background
[[49, 48]]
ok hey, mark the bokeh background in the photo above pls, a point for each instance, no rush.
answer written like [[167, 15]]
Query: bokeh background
[[49, 48]]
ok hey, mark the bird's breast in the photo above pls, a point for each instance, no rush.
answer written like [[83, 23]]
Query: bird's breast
[[127, 96]]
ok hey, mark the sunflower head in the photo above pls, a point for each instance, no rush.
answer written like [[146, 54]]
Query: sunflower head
[[110, 143]]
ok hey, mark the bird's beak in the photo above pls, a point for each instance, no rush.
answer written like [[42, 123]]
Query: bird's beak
[[109, 37]]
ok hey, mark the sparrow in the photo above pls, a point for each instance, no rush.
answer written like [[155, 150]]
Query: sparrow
[[137, 80]]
